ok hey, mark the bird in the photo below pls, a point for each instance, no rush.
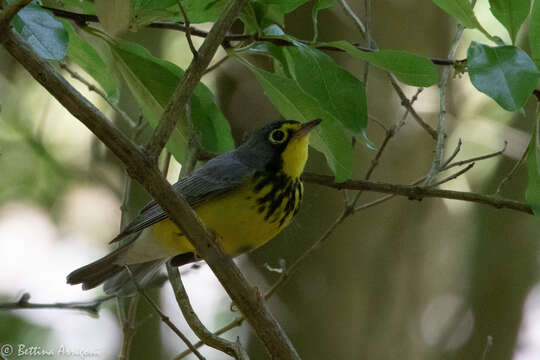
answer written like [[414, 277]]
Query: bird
[[247, 196]]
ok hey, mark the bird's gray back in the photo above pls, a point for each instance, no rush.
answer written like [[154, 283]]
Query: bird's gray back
[[218, 176]]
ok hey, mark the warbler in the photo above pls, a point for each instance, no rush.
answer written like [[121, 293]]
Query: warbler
[[247, 196]]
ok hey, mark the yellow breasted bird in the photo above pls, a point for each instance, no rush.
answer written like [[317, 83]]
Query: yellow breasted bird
[[247, 196]]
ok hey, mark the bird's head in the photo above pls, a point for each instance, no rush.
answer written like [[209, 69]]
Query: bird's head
[[280, 146]]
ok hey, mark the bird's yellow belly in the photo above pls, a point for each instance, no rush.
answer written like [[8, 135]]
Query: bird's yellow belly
[[240, 218]]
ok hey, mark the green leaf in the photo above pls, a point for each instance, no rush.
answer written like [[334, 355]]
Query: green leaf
[[461, 10], [87, 6], [505, 73], [268, 14], [330, 137], [532, 193], [318, 5], [153, 81], [249, 17], [43, 32], [273, 51], [148, 11], [83, 54], [409, 68], [154, 4], [534, 33], [286, 6], [511, 13], [337, 90], [199, 11]]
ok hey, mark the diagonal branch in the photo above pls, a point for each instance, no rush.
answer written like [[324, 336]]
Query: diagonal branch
[[143, 169], [193, 75]]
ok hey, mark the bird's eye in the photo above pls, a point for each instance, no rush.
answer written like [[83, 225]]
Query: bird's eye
[[277, 136]]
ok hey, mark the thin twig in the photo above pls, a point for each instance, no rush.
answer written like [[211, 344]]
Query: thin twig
[[206, 336], [489, 344], [188, 30], [92, 87], [374, 202], [356, 20], [453, 176], [216, 65], [164, 318], [512, 172], [91, 307], [438, 157], [454, 154], [378, 122], [372, 44], [408, 105], [477, 158], [390, 133], [285, 275], [191, 78], [369, 25]]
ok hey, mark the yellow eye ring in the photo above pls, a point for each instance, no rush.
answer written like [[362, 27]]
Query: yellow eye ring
[[277, 136]]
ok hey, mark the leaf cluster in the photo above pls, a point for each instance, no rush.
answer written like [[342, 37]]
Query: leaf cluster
[[305, 83]]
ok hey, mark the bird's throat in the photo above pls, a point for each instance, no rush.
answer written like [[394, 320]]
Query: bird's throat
[[294, 156]]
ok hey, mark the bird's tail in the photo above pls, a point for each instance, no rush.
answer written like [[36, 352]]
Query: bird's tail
[[145, 274], [121, 284], [95, 273]]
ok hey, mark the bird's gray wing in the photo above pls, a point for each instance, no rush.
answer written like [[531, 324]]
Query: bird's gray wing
[[218, 176]]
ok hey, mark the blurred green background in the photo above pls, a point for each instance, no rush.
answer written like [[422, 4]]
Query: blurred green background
[[436, 279]]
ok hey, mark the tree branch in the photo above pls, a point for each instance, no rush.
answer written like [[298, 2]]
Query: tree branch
[[207, 337], [192, 76], [144, 170], [91, 307], [418, 192], [179, 26]]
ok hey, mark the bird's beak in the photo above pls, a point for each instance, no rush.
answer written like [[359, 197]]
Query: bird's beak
[[306, 128]]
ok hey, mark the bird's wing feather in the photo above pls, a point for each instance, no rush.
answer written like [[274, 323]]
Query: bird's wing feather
[[218, 176]]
